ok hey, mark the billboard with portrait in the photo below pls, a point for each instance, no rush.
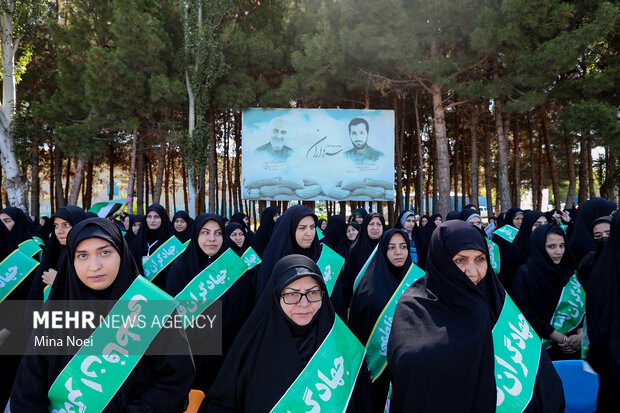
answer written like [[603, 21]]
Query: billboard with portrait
[[318, 154]]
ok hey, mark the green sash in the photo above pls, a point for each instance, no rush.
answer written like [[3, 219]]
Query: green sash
[[162, 257], [494, 256], [376, 347], [364, 268], [30, 247], [330, 263], [585, 340], [508, 232], [327, 381], [570, 310], [88, 382], [46, 292], [319, 233], [13, 270], [517, 353], [386, 409], [38, 241], [212, 282]]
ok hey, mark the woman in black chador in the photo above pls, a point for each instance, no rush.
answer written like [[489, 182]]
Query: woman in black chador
[[336, 235], [183, 225], [263, 234], [153, 233], [277, 342], [207, 244], [538, 285], [581, 241], [100, 267], [20, 226], [385, 272], [440, 351], [603, 320]]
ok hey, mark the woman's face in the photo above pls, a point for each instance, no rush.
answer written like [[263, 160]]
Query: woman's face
[[246, 221], [397, 250], [473, 263], [302, 312], [126, 223], [542, 220], [153, 220], [409, 223], [180, 225], [359, 219], [237, 237], [375, 228], [554, 245], [61, 230], [7, 221], [275, 217], [476, 221], [517, 220], [210, 238], [438, 221], [96, 263], [323, 225], [136, 227], [305, 232], [423, 221], [351, 232]]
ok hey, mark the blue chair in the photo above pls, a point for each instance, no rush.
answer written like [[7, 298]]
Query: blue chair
[[580, 386]]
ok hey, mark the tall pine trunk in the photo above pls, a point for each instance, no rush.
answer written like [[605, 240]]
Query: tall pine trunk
[[60, 198], [77, 182], [442, 165], [583, 171], [503, 148], [473, 130], [35, 184], [570, 164], [212, 163], [161, 165], [517, 165], [419, 173], [488, 172], [555, 183]]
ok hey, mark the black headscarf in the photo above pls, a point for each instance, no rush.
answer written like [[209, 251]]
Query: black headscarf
[[264, 231], [336, 235], [467, 213], [54, 255], [440, 351], [45, 231], [230, 228], [146, 236], [519, 250], [6, 243], [539, 282], [270, 341], [239, 217], [510, 216], [452, 215], [237, 301], [158, 380], [427, 220], [603, 314], [283, 243], [581, 241], [361, 212], [416, 235], [129, 235], [359, 252], [187, 232], [22, 229]]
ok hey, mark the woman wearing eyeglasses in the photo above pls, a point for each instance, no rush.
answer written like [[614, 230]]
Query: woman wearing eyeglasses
[[270, 365]]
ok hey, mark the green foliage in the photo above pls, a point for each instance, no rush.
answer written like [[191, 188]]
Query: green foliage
[[591, 118]]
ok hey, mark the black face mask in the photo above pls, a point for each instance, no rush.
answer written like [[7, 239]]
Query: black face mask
[[600, 243]]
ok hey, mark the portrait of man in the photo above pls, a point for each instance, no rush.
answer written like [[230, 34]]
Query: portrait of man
[[361, 151], [276, 148]]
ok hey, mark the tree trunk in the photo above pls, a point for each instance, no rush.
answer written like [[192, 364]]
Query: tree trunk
[[455, 174], [487, 173], [140, 179], [473, 130], [60, 199], [52, 182], [541, 172], [224, 169], [517, 165], [67, 179], [161, 165], [590, 170], [535, 165], [132, 171], [608, 186], [150, 187], [212, 163], [111, 176], [570, 161], [166, 185], [87, 198], [77, 182], [398, 151], [552, 169], [583, 171], [463, 174], [185, 190], [503, 148], [443, 153], [35, 182], [419, 188]]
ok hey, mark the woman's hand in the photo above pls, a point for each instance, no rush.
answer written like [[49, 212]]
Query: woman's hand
[[572, 344], [48, 276]]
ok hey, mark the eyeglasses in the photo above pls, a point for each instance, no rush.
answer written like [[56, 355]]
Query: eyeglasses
[[294, 298]]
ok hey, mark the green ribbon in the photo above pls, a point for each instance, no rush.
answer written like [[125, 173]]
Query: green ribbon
[[94, 375], [494, 256], [376, 347], [570, 309], [212, 282], [330, 263], [38, 241], [162, 257], [46, 292], [319, 233], [13, 270], [508, 232], [30, 247], [389, 398], [364, 268], [327, 381], [585, 340], [517, 353]]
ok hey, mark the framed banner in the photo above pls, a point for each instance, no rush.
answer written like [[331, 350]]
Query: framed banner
[[318, 154]]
